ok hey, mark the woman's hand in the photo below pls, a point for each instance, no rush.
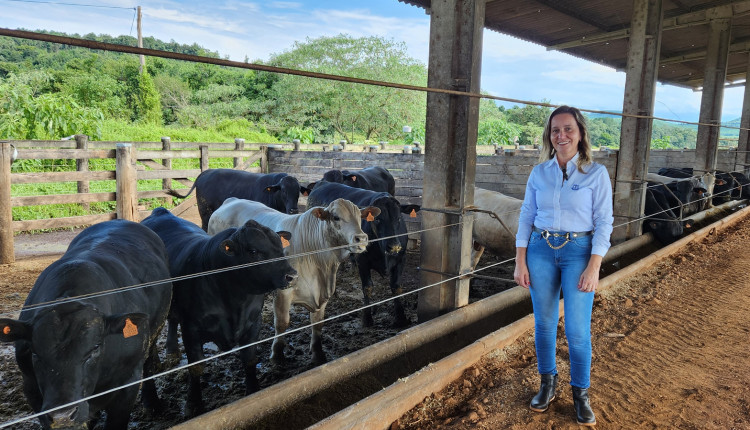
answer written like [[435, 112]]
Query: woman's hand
[[521, 272], [589, 280]]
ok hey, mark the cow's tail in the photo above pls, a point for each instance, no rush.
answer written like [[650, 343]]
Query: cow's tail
[[174, 193]]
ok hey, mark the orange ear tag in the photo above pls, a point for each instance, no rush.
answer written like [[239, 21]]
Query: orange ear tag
[[354, 179], [130, 329], [284, 242], [226, 248], [6, 330], [413, 213], [370, 217]]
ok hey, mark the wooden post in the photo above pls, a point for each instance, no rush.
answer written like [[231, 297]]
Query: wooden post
[[166, 183], [717, 56], [7, 254], [239, 145], [743, 142], [450, 154], [264, 159], [127, 183], [82, 165], [204, 157], [635, 138], [296, 143]]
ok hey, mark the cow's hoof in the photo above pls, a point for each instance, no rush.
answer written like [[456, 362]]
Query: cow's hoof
[[279, 360], [400, 322], [192, 410], [318, 360]]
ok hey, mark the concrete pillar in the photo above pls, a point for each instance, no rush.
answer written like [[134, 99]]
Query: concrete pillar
[[635, 137], [743, 143], [450, 153], [717, 55]]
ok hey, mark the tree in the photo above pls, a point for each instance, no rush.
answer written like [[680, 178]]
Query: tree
[[349, 109]]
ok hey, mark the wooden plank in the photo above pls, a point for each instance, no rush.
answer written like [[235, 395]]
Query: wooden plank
[[173, 174], [50, 223], [62, 199], [67, 154], [35, 178]]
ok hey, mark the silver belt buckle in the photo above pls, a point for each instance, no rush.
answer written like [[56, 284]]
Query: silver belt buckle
[[545, 234]]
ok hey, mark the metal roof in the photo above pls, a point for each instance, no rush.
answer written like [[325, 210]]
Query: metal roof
[[597, 30]]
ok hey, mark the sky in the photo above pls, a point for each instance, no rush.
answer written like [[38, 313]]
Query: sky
[[511, 68]]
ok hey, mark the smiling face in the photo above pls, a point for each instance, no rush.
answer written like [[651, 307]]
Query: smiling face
[[565, 136]]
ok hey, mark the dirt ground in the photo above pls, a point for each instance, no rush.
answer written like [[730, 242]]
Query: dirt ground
[[223, 378], [670, 351]]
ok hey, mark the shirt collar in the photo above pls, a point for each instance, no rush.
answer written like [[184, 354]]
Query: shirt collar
[[572, 163]]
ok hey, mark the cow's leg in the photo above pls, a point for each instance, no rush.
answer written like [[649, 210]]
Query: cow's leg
[[316, 342], [194, 351], [248, 355], [282, 303], [118, 415], [149, 397], [172, 345], [399, 315], [367, 285], [476, 253]]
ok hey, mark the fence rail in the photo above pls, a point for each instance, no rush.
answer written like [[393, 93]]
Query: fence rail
[[497, 169]]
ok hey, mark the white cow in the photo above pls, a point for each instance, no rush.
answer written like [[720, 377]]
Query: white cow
[[496, 234], [318, 228]]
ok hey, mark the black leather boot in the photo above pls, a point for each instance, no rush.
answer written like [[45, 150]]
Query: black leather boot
[[546, 394], [584, 414]]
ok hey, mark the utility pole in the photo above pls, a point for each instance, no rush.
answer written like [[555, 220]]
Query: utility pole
[[140, 44]]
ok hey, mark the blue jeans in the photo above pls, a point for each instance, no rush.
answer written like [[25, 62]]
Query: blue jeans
[[550, 271]]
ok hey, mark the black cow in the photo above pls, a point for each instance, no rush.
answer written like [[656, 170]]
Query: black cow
[[275, 190], [374, 178], [727, 185], [76, 348], [223, 308], [386, 251], [690, 192], [662, 221]]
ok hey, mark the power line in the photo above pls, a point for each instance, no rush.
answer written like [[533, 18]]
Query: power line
[[72, 4]]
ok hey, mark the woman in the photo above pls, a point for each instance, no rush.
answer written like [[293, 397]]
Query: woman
[[563, 233]]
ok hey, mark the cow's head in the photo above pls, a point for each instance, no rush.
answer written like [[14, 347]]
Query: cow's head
[[389, 228], [286, 194], [74, 350], [253, 243], [343, 225], [334, 176]]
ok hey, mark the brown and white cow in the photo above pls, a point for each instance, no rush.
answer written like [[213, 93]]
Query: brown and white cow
[[334, 230]]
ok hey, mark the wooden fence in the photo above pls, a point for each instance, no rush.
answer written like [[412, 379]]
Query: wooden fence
[[506, 171]]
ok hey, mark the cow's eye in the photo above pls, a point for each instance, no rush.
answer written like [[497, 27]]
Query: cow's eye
[[336, 218]]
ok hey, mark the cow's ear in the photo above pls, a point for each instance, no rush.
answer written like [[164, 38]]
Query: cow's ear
[[127, 325], [408, 209], [310, 186], [273, 188], [320, 213], [228, 247], [285, 238], [370, 212], [13, 330], [305, 191]]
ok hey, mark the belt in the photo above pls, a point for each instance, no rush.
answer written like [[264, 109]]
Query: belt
[[567, 235]]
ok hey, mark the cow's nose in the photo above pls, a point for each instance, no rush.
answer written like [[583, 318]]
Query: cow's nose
[[290, 277], [66, 418], [293, 211], [394, 249]]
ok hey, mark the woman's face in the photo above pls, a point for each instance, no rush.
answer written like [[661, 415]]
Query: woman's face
[[565, 136]]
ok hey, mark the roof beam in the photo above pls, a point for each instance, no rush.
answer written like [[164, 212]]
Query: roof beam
[[738, 8], [734, 48]]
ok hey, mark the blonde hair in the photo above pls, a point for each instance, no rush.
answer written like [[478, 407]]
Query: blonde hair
[[584, 146]]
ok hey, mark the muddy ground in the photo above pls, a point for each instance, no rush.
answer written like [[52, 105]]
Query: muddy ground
[[670, 351], [223, 378]]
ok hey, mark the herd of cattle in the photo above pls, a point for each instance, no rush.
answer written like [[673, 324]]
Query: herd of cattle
[[212, 280]]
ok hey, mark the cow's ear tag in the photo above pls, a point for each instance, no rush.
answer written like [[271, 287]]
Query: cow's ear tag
[[284, 242], [354, 179], [370, 217], [6, 330], [130, 329], [305, 194], [413, 213], [226, 248]]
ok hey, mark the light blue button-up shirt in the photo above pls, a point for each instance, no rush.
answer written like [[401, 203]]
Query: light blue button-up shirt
[[583, 202]]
